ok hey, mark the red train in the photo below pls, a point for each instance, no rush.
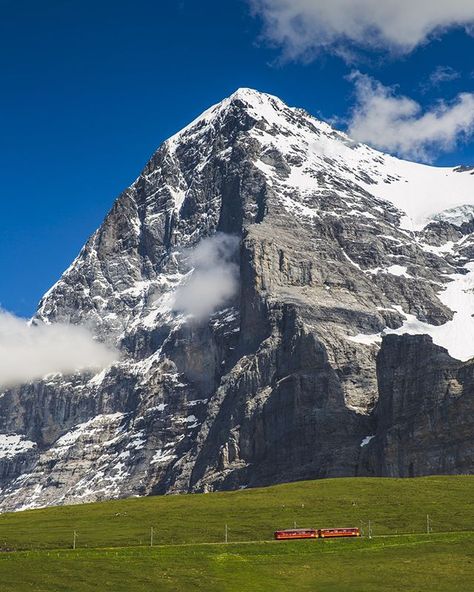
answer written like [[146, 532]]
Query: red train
[[296, 533], [313, 533], [326, 533]]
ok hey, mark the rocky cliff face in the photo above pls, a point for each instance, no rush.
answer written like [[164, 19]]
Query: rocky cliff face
[[424, 416], [293, 374]]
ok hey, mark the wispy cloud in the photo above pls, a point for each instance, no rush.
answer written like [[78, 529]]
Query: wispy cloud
[[443, 74], [214, 279], [439, 76], [302, 28], [398, 124], [29, 352]]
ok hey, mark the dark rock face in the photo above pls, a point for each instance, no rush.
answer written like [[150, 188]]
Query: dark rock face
[[279, 414], [425, 413], [281, 383]]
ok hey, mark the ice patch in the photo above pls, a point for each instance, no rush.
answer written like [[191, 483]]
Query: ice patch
[[447, 248], [456, 216], [364, 339], [77, 432], [13, 444], [162, 456], [456, 335], [398, 270], [196, 402]]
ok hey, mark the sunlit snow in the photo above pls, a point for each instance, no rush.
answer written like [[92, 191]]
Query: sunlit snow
[[457, 336]]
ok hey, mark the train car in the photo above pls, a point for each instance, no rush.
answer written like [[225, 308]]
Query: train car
[[296, 533], [327, 533]]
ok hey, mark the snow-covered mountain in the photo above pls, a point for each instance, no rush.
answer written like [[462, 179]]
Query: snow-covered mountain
[[305, 370]]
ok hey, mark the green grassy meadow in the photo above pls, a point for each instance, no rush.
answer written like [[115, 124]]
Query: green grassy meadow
[[433, 563], [189, 553]]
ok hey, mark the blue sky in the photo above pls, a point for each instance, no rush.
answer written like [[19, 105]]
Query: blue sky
[[88, 90]]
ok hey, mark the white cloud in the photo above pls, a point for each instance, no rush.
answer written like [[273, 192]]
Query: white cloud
[[443, 74], [29, 352], [439, 76], [398, 124], [303, 27], [214, 279]]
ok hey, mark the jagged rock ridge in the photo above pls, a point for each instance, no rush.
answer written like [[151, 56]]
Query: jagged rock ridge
[[297, 376]]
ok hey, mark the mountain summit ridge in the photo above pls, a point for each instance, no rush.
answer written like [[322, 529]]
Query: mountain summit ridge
[[297, 374]]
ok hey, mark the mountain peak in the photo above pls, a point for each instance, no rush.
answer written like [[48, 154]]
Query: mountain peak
[[259, 104], [312, 150], [255, 98]]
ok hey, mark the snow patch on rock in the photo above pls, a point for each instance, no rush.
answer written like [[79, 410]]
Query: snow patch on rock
[[12, 445]]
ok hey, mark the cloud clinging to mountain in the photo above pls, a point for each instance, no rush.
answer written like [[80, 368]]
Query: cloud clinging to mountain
[[29, 352], [214, 279]]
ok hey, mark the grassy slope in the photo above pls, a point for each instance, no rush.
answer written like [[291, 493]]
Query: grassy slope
[[393, 505], [416, 562], [435, 563]]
